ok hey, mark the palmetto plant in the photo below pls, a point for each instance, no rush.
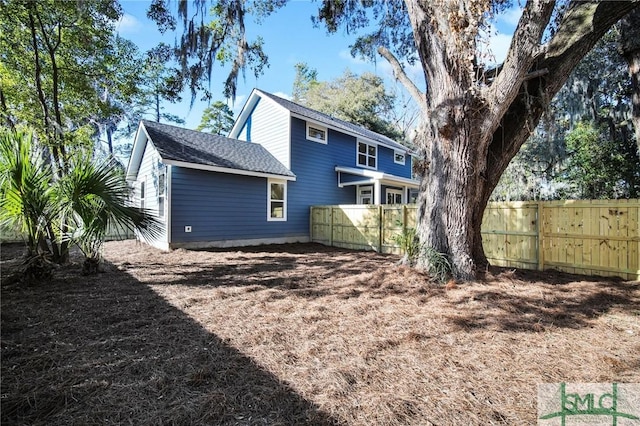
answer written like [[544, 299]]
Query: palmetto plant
[[93, 197], [77, 208], [25, 184]]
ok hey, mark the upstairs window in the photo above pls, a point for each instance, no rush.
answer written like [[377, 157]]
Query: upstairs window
[[277, 200], [398, 157], [367, 155], [316, 133]]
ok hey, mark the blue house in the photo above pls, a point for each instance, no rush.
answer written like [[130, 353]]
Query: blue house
[[256, 186]]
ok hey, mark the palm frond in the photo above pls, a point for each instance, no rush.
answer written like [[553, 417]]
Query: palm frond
[[94, 197]]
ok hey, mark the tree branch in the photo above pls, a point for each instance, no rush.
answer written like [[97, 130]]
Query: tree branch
[[413, 90], [581, 28]]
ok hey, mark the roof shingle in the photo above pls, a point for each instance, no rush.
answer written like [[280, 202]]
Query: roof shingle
[[334, 122], [190, 146]]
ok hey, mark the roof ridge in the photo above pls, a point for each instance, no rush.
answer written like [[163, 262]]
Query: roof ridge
[[379, 137]]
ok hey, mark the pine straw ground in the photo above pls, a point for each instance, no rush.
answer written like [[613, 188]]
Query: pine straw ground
[[301, 334]]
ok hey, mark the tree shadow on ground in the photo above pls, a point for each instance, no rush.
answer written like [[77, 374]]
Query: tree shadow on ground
[[299, 271], [107, 349]]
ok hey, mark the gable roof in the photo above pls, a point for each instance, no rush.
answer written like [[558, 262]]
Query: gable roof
[[205, 151], [327, 120]]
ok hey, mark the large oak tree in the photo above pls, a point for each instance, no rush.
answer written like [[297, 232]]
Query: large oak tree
[[476, 119]]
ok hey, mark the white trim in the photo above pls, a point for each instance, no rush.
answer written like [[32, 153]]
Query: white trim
[[225, 170], [167, 201], [379, 176], [284, 200], [404, 157], [241, 243], [356, 183], [377, 192], [137, 152], [366, 154], [323, 129]]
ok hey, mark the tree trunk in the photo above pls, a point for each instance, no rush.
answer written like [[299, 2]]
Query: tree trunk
[[630, 46], [477, 123]]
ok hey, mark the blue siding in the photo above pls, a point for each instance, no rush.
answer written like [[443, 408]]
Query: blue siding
[[387, 165], [314, 166], [221, 206]]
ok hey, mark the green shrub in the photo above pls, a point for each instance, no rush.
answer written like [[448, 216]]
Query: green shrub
[[408, 242], [439, 266]]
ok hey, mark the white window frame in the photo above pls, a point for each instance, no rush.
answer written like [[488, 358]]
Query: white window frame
[[270, 200], [367, 155], [143, 192], [395, 157], [162, 192], [394, 191], [320, 128], [361, 189]]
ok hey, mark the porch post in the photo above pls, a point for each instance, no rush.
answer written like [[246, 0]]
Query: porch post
[[377, 189]]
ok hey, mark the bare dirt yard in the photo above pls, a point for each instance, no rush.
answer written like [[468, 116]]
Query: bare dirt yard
[[301, 334]]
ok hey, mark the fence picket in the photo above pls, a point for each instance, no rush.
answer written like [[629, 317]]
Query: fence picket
[[600, 237]]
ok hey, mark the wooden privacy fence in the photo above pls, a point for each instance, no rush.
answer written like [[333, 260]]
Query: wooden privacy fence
[[589, 237]]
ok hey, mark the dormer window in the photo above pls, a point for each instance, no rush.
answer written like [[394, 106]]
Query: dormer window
[[398, 157], [316, 133], [367, 155]]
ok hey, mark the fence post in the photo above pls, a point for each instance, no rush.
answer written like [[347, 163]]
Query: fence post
[[330, 226], [380, 227], [540, 236]]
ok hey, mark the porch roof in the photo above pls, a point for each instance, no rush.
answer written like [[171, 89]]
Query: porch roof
[[350, 176]]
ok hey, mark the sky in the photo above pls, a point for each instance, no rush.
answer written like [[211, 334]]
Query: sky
[[289, 38]]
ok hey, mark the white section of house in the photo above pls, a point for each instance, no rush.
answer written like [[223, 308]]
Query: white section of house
[[270, 126], [147, 171]]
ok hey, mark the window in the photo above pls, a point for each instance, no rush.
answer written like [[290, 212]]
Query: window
[[161, 192], [398, 157], [367, 155], [316, 133], [365, 195], [394, 196], [277, 201], [142, 188]]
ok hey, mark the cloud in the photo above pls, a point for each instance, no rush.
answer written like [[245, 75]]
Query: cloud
[[128, 24], [346, 55]]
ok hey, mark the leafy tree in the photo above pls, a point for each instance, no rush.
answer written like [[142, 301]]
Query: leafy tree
[[361, 100], [217, 118], [160, 83], [58, 57], [599, 166], [630, 49], [305, 78], [475, 119], [596, 95]]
